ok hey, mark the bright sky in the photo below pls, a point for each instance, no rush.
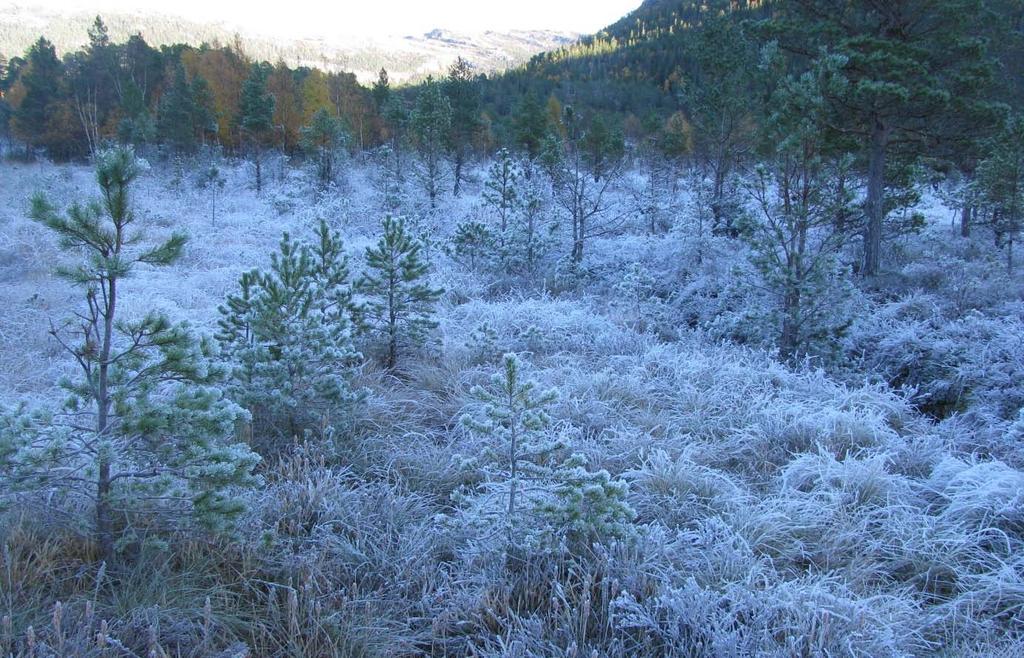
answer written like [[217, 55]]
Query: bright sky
[[297, 18]]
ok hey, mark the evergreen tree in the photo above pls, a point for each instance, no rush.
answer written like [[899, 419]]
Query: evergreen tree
[[212, 180], [5, 107], [256, 116], [204, 116], [144, 415], [911, 71], [323, 139], [93, 83], [175, 120], [550, 500], [530, 240], [501, 193], [1000, 183], [400, 302], [431, 120], [720, 100], [137, 126], [796, 234], [381, 91], [464, 96], [472, 244], [38, 109], [287, 333], [514, 416], [396, 118], [530, 126]]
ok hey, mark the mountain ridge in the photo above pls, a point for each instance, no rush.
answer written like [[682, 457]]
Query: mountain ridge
[[407, 57]]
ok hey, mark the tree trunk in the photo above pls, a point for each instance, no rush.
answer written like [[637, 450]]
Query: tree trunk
[[513, 472], [716, 201], [104, 525], [392, 357], [459, 158], [789, 340], [966, 214], [875, 203]]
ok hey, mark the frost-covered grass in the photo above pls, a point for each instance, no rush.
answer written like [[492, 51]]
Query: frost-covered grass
[[869, 506]]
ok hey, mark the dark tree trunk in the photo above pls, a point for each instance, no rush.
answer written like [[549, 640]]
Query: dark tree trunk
[[875, 203], [459, 162]]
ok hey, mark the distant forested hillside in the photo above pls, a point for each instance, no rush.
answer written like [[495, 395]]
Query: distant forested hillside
[[406, 57]]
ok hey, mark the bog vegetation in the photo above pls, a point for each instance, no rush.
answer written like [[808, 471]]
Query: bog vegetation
[[702, 337]]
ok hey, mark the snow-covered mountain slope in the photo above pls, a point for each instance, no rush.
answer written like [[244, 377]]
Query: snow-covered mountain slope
[[406, 57]]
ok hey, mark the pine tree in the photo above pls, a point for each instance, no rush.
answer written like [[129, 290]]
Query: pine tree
[[912, 70], [323, 139], [400, 302], [464, 96], [137, 126], [5, 106], [431, 121], [212, 180], [381, 90], [472, 244], [256, 116], [1000, 183], [550, 500], [501, 192], [531, 240], [530, 126], [513, 415], [204, 116], [396, 118], [144, 415], [175, 120], [719, 101], [41, 80], [287, 332], [93, 83], [799, 192]]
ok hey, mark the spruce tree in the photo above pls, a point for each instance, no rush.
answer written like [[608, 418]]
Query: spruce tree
[[400, 302], [146, 433]]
